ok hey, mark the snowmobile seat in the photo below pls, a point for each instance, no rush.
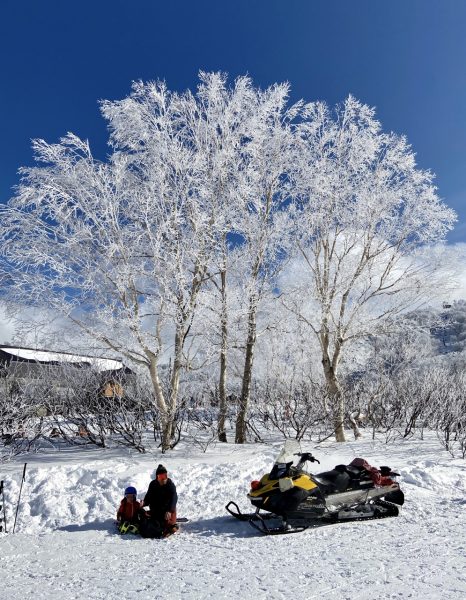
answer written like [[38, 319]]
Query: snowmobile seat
[[359, 478], [354, 472], [336, 480]]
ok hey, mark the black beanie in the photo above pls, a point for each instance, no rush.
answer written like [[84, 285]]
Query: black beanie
[[160, 469]]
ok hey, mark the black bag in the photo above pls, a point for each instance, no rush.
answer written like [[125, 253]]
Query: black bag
[[149, 528]]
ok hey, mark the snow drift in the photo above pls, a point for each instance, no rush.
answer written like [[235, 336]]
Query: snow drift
[[65, 543]]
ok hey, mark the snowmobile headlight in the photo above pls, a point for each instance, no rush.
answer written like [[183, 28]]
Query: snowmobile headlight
[[255, 485]]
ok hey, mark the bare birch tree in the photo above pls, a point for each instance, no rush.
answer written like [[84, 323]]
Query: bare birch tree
[[262, 221], [368, 214], [121, 248]]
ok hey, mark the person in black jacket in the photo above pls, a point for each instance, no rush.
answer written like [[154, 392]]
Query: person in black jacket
[[161, 498]]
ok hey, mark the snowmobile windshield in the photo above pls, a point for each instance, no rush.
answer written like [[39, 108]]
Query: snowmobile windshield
[[280, 470], [285, 459], [288, 452]]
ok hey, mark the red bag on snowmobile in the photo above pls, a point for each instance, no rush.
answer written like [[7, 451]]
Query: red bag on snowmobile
[[374, 473]]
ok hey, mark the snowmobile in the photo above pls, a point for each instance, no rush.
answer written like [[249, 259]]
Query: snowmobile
[[299, 499]]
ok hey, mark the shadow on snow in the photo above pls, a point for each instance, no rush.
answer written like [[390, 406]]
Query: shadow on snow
[[216, 526]]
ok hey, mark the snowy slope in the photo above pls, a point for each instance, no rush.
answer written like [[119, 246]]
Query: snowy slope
[[65, 545]]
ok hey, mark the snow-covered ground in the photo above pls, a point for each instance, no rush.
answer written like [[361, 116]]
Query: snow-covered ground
[[65, 545]]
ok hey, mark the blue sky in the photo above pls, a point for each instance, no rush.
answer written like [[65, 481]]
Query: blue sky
[[405, 57]]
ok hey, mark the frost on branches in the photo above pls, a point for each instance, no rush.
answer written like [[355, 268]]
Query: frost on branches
[[365, 216], [205, 202]]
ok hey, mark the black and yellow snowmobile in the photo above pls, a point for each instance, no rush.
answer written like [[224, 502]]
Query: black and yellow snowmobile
[[299, 499]]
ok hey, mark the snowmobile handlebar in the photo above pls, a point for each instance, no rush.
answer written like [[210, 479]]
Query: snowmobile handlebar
[[304, 456]]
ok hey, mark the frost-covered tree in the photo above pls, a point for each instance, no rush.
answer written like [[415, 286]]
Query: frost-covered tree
[[449, 330], [121, 248], [90, 241], [252, 238], [368, 215], [262, 221], [196, 201]]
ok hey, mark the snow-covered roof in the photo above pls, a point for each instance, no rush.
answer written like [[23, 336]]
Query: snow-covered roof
[[44, 356]]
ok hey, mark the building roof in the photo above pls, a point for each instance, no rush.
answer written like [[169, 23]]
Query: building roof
[[49, 356]]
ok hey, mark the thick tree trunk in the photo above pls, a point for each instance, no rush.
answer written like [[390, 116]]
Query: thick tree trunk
[[339, 405], [165, 415], [176, 372], [222, 393], [336, 399], [168, 422], [240, 434], [166, 409], [167, 432], [222, 412]]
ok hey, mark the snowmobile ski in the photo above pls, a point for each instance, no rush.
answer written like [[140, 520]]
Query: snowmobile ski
[[259, 523], [236, 512]]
